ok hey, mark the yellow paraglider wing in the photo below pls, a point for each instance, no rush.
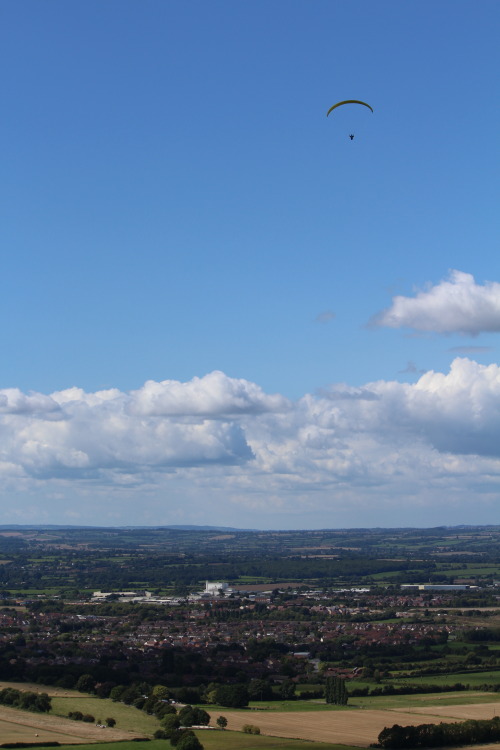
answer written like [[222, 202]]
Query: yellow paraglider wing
[[348, 101]]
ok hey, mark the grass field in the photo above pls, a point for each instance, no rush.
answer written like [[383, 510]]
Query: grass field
[[457, 712], [390, 702], [491, 677], [25, 726], [223, 741], [128, 718]]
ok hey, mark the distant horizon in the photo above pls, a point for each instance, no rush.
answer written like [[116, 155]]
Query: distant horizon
[[188, 527]]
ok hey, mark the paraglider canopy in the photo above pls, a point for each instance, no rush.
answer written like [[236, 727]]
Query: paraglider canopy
[[349, 101]]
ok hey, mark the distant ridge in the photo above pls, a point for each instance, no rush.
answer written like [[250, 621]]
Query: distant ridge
[[186, 527], [178, 527], [234, 530]]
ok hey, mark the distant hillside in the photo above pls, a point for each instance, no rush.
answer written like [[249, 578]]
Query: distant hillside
[[206, 528], [178, 527]]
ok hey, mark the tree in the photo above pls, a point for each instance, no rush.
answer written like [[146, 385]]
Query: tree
[[336, 691], [201, 717], [161, 693], [232, 696], [287, 690], [170, 724], [162, 709], [111, 722], [129, 695], [42, 702], [185, 739], [250, 729], [102, 689], [186, 716], [189, 742], [115, 693], [85, 683], [221, 722], [260, 690]]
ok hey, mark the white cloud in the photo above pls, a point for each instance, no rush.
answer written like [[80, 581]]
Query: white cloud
[[217, 440], [457, 305], [14, 401], [215, 395]]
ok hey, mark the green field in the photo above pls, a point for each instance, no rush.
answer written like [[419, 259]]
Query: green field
[[127, 717], [218, 740], [473, 679], [381, 702]]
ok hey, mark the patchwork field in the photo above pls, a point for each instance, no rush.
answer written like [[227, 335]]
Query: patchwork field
[[356, 726], [24, 726]]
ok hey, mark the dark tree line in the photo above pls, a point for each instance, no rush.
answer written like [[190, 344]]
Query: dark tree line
[[29, 701], [470, 732]]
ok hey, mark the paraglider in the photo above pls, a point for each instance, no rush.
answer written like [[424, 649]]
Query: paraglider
[[349, 101]]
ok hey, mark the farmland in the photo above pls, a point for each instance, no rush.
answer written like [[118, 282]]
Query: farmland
[[409, 619], [22, 726], [358, 728], [353, 727]]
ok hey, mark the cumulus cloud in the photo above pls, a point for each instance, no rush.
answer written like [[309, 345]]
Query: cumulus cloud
[[159, 426], [456, 305], [225, 439], [14, 401], [215, 395]]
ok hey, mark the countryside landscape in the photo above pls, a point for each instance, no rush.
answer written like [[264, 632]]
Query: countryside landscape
[[276, 639], [250, 376]]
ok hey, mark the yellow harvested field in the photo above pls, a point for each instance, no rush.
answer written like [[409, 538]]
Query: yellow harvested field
[[458, 713], [352, 727], [24, 726]]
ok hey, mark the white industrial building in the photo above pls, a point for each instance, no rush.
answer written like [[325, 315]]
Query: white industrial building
[[216, 588]]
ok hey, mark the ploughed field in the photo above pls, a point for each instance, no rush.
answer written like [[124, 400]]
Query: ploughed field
[[358, 727]]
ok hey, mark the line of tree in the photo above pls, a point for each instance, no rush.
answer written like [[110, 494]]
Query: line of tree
[[410, 689], [79, 716], [480, 635], [470, 732], [27, 700], [336, 691]]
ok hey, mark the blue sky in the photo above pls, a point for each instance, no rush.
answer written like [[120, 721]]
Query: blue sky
[[217, 308]]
